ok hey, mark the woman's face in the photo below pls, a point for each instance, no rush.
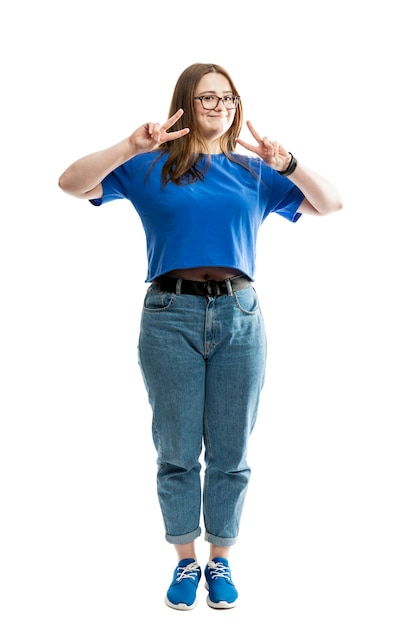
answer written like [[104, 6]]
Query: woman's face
[[213, 123]]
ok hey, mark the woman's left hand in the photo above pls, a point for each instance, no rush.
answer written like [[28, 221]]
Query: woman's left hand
[[274, 155]]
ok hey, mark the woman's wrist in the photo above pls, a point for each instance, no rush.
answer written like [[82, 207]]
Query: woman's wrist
[[292, 164]]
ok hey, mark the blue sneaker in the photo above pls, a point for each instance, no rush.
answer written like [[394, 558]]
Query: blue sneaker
[[222, 592], [183, 589]]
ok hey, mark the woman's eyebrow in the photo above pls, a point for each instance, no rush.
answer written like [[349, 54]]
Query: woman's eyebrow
[[213, 92]]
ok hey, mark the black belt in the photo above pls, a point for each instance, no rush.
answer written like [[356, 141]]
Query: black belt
[[199, 288]]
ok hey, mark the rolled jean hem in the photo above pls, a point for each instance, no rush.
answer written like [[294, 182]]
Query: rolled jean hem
[[187, 538], [220, 541]]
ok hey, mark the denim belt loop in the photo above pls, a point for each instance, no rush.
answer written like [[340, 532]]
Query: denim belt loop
[[229, 287], [178, 286]]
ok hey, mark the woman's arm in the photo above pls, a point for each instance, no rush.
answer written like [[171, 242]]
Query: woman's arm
[[83, 178], [320, 196]]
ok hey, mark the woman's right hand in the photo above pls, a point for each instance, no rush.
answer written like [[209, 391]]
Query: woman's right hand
[[151, 135]]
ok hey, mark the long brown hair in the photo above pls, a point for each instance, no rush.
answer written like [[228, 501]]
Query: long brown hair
[[184, 153]]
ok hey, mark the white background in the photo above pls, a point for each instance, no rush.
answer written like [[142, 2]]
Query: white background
[[328, 532]]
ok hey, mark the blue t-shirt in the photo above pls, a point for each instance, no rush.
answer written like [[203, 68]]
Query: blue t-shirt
[[211, 222]]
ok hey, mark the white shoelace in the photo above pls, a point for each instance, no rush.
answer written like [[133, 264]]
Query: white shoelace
[[220, 570], [189, 571]]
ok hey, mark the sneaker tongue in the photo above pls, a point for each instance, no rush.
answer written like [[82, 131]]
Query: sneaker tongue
[[185, 562], [219, 559]]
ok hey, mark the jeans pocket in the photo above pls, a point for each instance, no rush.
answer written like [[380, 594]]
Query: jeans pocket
[[156, 300], [247, 300]]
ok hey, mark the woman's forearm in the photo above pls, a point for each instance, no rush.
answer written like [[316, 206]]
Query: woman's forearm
[[83, 178], [320, 194]]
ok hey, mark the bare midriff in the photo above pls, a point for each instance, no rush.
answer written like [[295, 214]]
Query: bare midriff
[[205, 273]]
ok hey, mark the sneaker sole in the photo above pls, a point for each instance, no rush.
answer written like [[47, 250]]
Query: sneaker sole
[[219, 605], [181, 606]]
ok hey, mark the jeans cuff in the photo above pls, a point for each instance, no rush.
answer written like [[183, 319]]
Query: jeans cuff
[[187, 538], [220, 541]]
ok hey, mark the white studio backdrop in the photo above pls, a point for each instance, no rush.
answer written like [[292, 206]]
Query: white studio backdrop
[[328, 529]]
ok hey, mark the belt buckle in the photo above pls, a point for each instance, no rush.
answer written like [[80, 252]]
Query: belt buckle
[[211, 288]]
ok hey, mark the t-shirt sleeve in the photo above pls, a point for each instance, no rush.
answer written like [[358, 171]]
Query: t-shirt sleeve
[[115, 186], [289, 206], [284, 197]]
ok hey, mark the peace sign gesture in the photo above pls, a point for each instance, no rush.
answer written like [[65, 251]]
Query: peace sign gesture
[[274, 155], [150, 135]]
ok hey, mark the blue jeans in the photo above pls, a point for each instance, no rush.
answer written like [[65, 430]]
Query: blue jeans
[[203, 363]]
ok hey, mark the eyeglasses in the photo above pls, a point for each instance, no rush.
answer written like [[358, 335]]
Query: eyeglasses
[[210, 102]]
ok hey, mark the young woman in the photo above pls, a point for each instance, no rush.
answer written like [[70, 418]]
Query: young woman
[[202, 345]]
